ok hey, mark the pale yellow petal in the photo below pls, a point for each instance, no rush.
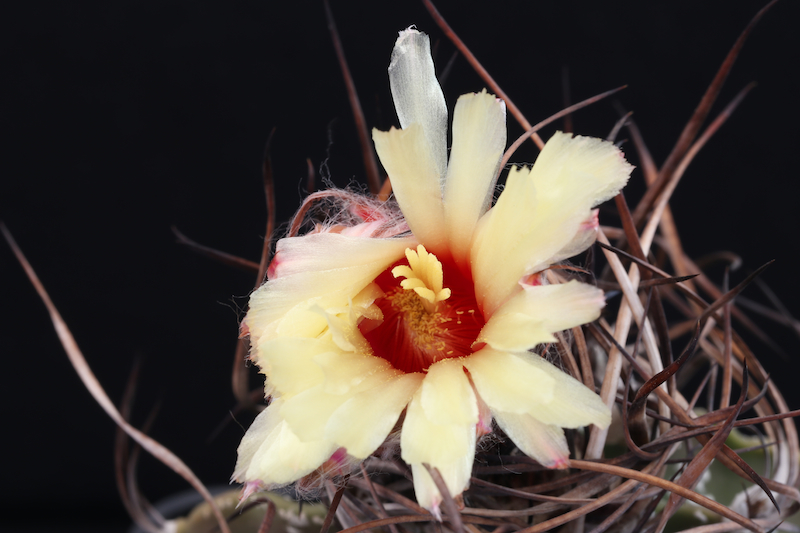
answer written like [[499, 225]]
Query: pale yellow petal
[[583, 239], [449, 447], [541, 211], [423, 441], [417, 96], [595, 168], [532, 316], [425, 490], [573, 405], [543, 442], [447, 396], [479, 138], [280, 458], [525, 383], [456, 477], [289, 363], [508, 382], [363, 422], [416, 181], [345, 370], [261, 428], [285, 458], [323, 252], [308, 412], [325, 270]]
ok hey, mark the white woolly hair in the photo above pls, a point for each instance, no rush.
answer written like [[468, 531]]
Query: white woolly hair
[[333, 209]]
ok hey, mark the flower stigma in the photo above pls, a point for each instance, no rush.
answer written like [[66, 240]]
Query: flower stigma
[[423, 321], [424, 276]]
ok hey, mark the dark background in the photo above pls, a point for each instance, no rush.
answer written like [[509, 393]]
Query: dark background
[[124, 118]]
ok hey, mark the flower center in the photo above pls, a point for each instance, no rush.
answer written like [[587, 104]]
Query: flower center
[[423, 321]]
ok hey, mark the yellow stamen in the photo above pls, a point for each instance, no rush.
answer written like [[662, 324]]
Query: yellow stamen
[[424, 276], [424, 326]]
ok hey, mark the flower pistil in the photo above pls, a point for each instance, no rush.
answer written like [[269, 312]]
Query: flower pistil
[[424, 276], [423, 321]]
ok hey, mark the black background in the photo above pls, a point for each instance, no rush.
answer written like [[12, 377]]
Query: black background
[[123, 118]]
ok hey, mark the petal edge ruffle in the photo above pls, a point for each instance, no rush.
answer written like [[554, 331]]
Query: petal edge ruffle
[[541, 211]]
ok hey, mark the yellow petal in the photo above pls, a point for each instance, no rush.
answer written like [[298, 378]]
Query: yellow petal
[[308, 412], [324, 252], [416, 181], [543, 442], [596, 169], [541, 211], [583, 239], [524, 383], [417, 96], [423, 441], [508, 382], [289, 363], [456, 477], [325, 270], [363, 422], [425, 490], [450, 447], [447, 396], [532, 316], [479, 138], [280, 458], [261, 428], [345, 370], [573, 405], [286, 458]]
